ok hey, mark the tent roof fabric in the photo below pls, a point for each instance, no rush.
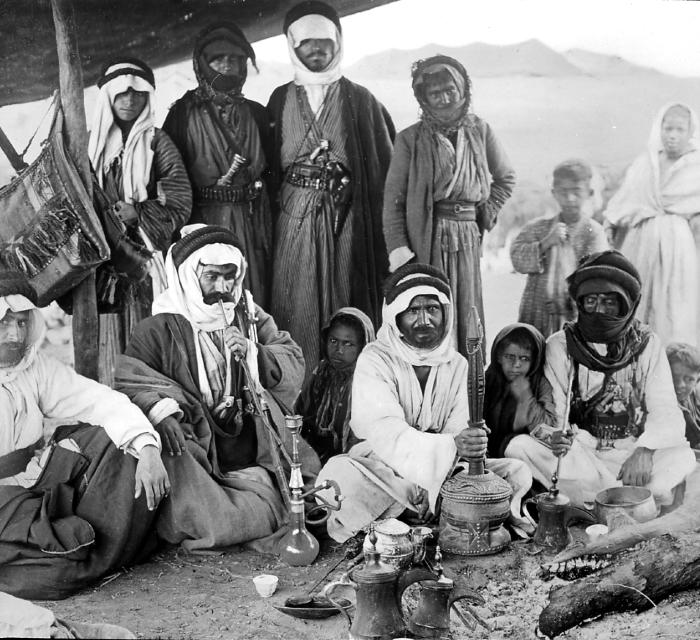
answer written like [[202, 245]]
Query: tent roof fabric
[[158, 31]]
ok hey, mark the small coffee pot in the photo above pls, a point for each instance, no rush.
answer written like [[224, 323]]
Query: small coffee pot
[[431, 618], [379, 587], [555, 512]]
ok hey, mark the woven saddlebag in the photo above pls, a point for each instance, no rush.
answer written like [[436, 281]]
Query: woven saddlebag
[[48, 227]]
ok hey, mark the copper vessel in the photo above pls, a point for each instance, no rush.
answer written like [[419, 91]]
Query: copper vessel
[[475, 502], [431, 617], [379, 587]]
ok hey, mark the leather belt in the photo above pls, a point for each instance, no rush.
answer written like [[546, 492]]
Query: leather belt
[[216, 193], [455, 209]]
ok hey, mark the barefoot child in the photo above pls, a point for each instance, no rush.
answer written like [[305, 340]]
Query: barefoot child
[[324, 402], [548, 249], [518, 398]]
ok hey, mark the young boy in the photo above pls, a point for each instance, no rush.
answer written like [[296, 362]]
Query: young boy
[[685, 369], [548, 249], [324, 402], [518, 398]]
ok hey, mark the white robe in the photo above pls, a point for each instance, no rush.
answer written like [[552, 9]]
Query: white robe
[[408, 439], [659, 213], [49, 389], [584, 470]]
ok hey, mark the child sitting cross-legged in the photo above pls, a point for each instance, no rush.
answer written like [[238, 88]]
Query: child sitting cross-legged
[[324, 402], [518, 398]]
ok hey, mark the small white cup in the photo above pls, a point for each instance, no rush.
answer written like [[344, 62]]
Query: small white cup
[[595, 531], [265, 584]]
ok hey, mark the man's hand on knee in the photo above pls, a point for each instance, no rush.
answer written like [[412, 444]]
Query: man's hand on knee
[[151, 477], [636, 470], [471, 442], [172, 436]]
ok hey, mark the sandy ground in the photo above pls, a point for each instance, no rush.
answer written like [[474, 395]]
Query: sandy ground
[[212, 596]]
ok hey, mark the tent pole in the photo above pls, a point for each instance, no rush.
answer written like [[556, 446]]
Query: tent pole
[[85, 343], [17, 162]]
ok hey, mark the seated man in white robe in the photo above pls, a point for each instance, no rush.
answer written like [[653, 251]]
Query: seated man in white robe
[[410, 408], [72, 505], [613, 392]]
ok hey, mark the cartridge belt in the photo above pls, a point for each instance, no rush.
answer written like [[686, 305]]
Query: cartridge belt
[[216, 193], [610, 427]]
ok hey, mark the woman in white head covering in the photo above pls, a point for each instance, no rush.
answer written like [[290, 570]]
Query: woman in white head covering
[[650, 220]]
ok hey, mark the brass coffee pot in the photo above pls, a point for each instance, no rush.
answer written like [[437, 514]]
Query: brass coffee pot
[[555, 512], [431, 618], [475, 503], [379, 587]]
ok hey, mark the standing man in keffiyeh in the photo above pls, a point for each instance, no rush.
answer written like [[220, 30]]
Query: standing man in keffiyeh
[[143, 176], [222, 136], [448, 179], [332, 147]]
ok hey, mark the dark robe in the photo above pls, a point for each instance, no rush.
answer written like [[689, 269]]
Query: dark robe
[[370, 135], [78, 522], [207, 506], [500, 406], [208, 151]]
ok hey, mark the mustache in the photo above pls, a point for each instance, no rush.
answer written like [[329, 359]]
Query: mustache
[[213, 298]]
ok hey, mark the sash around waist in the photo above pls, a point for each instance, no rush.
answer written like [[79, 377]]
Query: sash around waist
[[455, 209]]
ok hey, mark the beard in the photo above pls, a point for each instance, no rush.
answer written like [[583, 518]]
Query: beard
[[11, 353]]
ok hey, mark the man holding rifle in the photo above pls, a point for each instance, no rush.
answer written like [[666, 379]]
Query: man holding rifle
[[201, 369]]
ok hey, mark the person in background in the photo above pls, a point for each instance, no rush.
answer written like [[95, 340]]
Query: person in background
[[332, 147], [324, 402], [223, 138], [448, 179], [142, 174], [618, 417], [73, 506], [684, 360], [548, 249], [652, 220], [518, 397]]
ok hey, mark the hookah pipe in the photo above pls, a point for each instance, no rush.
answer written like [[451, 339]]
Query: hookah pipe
[[298, 546], [263, 411]]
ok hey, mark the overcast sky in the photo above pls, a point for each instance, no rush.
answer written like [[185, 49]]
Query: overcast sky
[[664, 34]]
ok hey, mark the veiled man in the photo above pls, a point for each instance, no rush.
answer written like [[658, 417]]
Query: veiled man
[[221, 135], [63, 440], [613, 394], [410, 409], [191, 368], [332, 147], [448, 179]]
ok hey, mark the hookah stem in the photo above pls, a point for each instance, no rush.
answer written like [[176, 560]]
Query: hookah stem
[[275, 443], [264, 414]]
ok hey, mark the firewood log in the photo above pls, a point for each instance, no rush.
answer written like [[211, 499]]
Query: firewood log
[[637, 580], [666, 560]]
